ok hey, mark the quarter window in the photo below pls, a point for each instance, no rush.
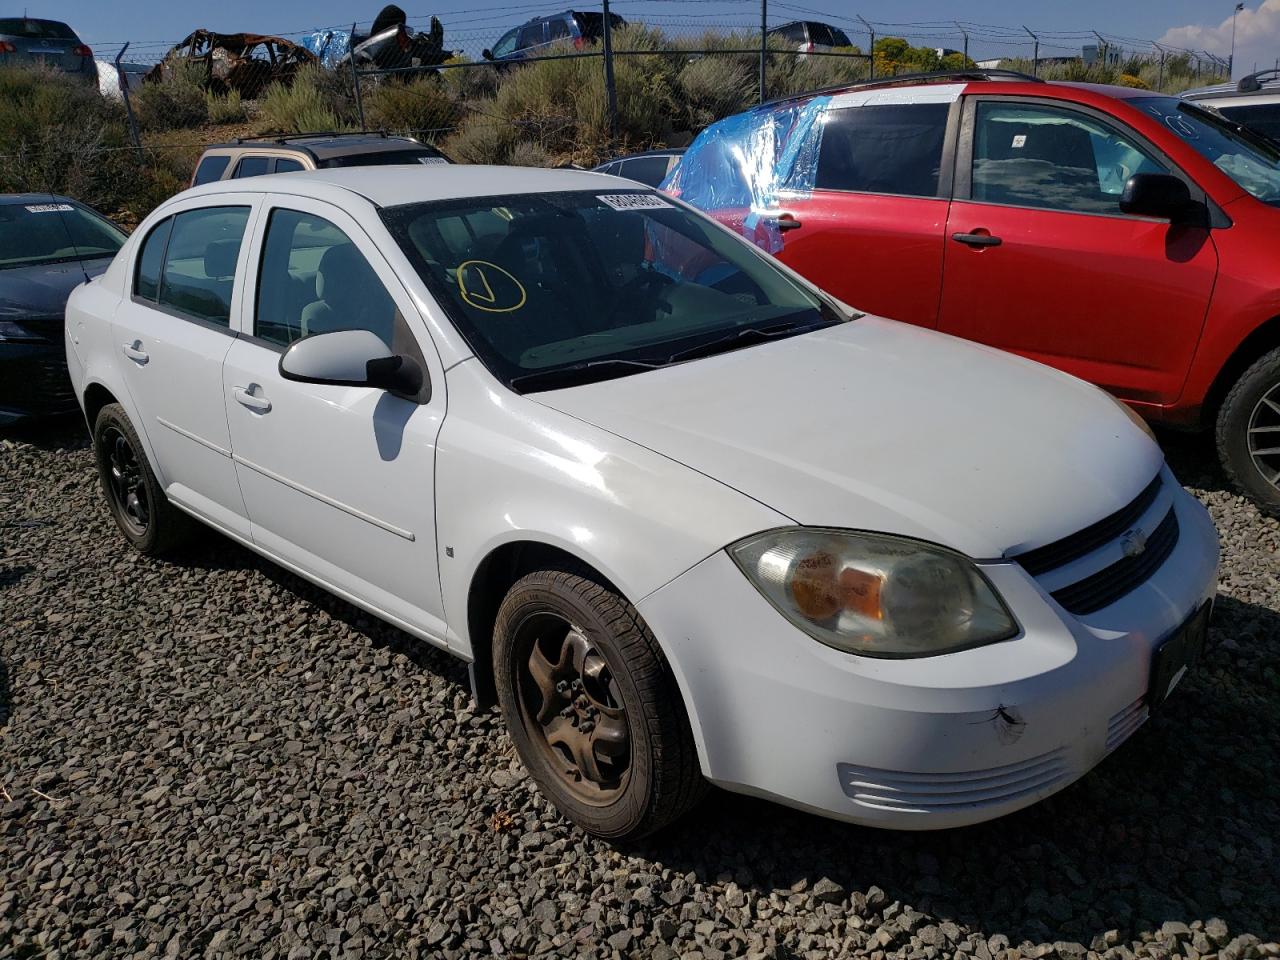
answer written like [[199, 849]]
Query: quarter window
[[315, 280], [285, 165], [200, 263], [883, 148], [1050, 157], [146, 283]]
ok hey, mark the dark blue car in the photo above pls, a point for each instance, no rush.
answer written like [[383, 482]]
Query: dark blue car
[[49, 245]]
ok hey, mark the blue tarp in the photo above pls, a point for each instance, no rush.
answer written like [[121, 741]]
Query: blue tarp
[[329, 45], [741, 162]]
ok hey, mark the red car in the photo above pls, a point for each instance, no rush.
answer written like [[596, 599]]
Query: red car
[[1124, 236]]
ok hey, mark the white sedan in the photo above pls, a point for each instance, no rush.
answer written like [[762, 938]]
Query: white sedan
[[687, 518]]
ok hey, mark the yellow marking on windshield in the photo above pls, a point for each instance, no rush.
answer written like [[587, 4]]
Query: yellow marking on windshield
[[476, 284]]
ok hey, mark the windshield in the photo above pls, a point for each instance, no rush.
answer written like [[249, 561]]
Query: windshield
[[1247, 158], [53, 231], [552, 289]]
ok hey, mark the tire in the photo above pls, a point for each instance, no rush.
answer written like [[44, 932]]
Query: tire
[[1254, 402], [607, 670], [151, 524]]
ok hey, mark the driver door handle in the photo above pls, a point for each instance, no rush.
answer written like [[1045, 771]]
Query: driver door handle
[[135, 352], [247, 399], [787, 221], [977, 239]]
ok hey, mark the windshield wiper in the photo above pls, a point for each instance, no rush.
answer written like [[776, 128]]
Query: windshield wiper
[[746, 337], [588, 371]]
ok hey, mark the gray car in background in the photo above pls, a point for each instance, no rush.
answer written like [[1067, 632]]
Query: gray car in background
[[26, 41]]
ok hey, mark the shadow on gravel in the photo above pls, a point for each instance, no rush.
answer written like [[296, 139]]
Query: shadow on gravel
[[1193, 458], [1179, 823], [4, 695], [66, 431]]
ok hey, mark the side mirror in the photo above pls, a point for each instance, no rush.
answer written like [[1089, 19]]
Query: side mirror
[[487, 53], [353, 358], [1162, 195]]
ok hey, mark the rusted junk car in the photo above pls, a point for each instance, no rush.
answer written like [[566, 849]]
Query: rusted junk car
[[246, 62]]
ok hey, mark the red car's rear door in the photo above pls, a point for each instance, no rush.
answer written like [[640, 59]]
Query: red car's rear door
[[1040, 260]]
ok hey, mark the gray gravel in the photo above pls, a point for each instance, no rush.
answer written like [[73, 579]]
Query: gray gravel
[[210, 757]]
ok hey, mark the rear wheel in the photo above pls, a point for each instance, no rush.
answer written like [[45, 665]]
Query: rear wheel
[[143, 513], [592, 706], [1249, 433]]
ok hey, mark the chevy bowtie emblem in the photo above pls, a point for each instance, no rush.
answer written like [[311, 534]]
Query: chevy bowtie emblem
[[1133, 543]]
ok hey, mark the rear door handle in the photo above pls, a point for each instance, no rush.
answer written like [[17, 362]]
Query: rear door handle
[[135, 352], [247, 399], [977, 239], [787, 221]]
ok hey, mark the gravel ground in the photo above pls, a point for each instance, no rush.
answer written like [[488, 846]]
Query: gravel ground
[[210, 757]]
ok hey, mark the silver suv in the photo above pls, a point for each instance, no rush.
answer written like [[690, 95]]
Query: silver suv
[[1253, 101]]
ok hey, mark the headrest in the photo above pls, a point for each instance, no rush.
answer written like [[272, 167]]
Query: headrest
[[220, 258], [341, 264]]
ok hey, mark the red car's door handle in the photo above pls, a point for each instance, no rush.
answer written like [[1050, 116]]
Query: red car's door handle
[[787, 221], [977, 239]]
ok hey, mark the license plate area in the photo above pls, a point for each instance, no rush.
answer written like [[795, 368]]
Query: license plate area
[[1176, 655]]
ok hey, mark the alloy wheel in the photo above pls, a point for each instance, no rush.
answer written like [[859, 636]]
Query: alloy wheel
[[127, 483], [572, 708], [1264, 436]]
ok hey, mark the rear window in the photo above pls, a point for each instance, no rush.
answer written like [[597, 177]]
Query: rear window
[[650, 171], [382, 158], [211, 168], [1263, 117], [36, 29], [883, 148], [822, 35], [591, 25]]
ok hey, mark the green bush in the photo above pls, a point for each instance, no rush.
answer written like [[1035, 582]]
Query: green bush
[[482, 139], [715, 87], [316, 100], [423, 106], [470, 83], [61, 136], [176, 101], [526, 154], [226, 109]]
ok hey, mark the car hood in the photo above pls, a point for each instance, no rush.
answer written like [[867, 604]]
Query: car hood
[[877, 425], [42, 290]]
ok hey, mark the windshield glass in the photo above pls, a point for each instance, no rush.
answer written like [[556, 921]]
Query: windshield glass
[[53, 231], [1248, 159], [552, 289]]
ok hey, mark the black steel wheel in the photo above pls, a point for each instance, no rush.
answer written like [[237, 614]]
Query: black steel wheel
[[592, 705], [137, 503]]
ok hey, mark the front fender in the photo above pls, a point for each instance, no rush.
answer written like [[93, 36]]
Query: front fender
[[510, 469]]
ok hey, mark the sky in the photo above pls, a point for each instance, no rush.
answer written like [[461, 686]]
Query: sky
[[995, 28]]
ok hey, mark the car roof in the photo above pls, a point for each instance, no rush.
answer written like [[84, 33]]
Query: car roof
[[325, 145], [413, 183]]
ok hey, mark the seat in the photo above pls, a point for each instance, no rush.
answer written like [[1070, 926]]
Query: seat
[[349, 296]]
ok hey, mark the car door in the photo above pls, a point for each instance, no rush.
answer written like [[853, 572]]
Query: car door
[[870, 231], [338, 481], [173, 332], [1041, 261]]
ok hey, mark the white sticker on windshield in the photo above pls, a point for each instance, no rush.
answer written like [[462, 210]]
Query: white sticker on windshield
[[49, 208], [1019, 141], [633, 201], [431, 160]]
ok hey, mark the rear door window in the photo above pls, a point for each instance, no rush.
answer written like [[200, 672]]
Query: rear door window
[[252, 167], [200, 263], [532, 35], [146, 280], [558, 30], [1037, 155], [211, 168], [891, 148]]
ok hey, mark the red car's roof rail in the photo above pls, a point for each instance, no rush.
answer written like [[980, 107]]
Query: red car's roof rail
[[906, 79]]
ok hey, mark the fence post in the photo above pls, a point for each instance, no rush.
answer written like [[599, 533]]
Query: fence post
[[871, 50], [964, 33], [611, 89], [128, 106], [1160, 76], [1035, 55], [764, 42], [355, 75]]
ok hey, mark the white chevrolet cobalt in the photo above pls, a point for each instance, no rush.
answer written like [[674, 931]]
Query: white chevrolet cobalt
[[688, 518]]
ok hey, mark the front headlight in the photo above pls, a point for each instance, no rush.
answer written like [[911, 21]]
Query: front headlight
[[874, 594]]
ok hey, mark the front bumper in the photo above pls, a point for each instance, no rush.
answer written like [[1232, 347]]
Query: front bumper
[[34, 380], [929, 743]]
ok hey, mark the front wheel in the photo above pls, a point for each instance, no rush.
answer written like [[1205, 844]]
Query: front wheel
[[1248, 433], [592, 706], [143, 513]]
